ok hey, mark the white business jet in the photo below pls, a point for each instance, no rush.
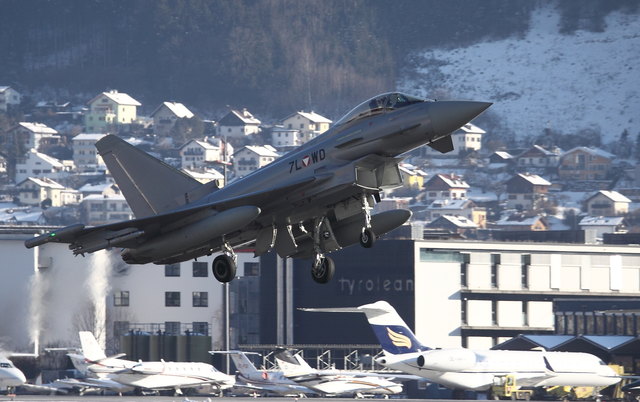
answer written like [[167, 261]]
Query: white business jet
[[154, 375], [476, 370], [10, 376]]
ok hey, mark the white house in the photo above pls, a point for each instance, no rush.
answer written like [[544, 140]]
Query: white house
[[206, 175], [285, 138], [33, 135], [85, 155], [166, 115], [34, 191], [200, 153], [309, 124], [595, 226], [466, 138], [9, 97], [238, 124], [607, 203], [37, 164], [100, 209], [251, 158], [110, 108]]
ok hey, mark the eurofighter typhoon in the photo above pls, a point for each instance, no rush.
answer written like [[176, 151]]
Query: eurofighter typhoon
[[312, 201]]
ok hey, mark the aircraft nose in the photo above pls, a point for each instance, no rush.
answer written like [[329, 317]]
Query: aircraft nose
[[448, 116]]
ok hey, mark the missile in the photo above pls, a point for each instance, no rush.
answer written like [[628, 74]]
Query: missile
[[192, 235], [56, 236]]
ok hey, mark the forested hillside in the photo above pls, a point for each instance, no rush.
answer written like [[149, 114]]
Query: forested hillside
[[270, 55]]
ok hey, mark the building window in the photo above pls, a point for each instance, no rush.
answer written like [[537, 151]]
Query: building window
[[463, 312], [121, 298], [525, 313], [200, 299], [495, 261], [494, 312], [172, 327], [172, 270], [464, 269], [172, 299], [251, 269], [200, 269], [524, 270], [201, 328]]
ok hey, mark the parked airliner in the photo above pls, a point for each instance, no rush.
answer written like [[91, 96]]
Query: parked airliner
[[476, 370], [10, 375]]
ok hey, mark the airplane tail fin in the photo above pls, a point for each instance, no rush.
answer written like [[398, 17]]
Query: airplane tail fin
[[149, 185], [292, 364], [393, 333], [90, 347], [242, 362]]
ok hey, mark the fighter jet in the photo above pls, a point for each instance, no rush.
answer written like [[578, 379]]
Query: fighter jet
[[310, 202]]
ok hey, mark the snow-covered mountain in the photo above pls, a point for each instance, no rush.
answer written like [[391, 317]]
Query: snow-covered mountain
[[545, 79]]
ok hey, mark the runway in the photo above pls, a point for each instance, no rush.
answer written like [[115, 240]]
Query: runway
[[152, 398]]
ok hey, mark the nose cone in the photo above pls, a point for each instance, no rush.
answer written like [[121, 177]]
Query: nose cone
[[448, 116], [15, 378]]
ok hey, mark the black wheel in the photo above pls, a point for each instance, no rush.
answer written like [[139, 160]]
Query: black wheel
[[324, 271], [367, 238], [224, 269]]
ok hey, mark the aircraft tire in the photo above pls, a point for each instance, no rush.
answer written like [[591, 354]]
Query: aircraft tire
[[367, 238], [324, 271], [224, 268]]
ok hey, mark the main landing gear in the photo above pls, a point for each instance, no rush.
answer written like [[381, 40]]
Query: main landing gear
[[367, 236], [323, 268], [224, 266]]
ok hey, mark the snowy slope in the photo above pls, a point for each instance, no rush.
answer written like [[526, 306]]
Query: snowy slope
[[545, 80]]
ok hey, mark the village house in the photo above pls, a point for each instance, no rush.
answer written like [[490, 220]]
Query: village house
[[251, 158], [107, 188], [9, 97], [412, 177], [519, 222], [526, 191], [85, 155], [100, 209], [37, 164], [197, 154], [595, 226], [309, 124], [467, 138], [166, 115], [445, 186], [454, 224], [461, 208], [584, 164], [206, 175], [286, 138], [607, 203], [45, 192], [34, 135], [109, 109], [238, 124], [539, 157]]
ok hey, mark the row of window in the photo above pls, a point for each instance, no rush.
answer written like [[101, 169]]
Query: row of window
[[169, 327], [171, 299], [201, 269]]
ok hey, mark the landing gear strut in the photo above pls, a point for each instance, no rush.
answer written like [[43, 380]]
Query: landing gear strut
[[224, 266], [367, 236], [323, 268]]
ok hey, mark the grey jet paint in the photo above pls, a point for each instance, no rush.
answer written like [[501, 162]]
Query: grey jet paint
[[312, 201]]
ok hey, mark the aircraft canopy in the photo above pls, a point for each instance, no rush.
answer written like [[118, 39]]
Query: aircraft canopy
[[380, 103]]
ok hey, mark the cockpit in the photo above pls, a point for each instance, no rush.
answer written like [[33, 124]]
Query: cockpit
[[5, 365], [379, 104]]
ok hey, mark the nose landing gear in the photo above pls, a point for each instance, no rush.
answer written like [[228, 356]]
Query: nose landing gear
[[367, 236], [224, 266]]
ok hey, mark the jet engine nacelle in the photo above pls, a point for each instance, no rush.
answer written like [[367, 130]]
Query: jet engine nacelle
[[447, 360]]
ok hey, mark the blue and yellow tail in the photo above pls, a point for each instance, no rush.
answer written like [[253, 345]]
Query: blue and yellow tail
[[392, 332]]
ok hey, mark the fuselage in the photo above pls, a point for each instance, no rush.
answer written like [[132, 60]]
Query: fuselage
[[10, 375], [532, 368], [351, 385]]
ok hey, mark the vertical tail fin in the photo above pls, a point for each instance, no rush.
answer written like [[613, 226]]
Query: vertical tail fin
[[244, 365], [392, 332], [149, 185], [291, 364], [90, 348]]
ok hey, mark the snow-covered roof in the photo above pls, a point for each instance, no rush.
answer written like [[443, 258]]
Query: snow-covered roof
[[592, 151], [95, 188], [601, 221], [203, 144], [43, 182], [504, 154], [311, 116], [37, 128], [263, 150], [3, 88], [612, 195], [46, 158], [460, 221], [534, 179], [471, 129], [88, 137], [411, 170], [211, 174], [449, 204], [120, 98], [516, 220], [453, 180], [107, 197], [27, 215], [245, 116], [176, 108]]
